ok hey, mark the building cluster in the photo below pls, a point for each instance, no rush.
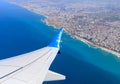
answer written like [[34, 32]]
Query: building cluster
[[97, 23]]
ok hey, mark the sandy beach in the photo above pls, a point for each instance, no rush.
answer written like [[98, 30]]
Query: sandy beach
[[102, 48]]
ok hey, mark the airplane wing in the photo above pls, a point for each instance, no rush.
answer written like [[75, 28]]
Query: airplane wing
[[33, 67]]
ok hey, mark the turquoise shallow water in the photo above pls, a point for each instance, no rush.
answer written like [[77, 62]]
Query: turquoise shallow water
[[22, 31]]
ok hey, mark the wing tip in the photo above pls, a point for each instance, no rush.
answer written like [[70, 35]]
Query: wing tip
[[57, 39]]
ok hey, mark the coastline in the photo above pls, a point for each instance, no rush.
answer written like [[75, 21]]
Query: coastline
[[75, 37], [86, 41], [102, 48]]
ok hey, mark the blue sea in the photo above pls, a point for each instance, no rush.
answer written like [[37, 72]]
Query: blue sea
[[22, 31]]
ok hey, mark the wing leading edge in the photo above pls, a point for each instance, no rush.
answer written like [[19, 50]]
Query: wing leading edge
[[33, 67]]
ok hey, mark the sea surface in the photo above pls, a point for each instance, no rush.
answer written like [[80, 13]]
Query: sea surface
[[22, 31]]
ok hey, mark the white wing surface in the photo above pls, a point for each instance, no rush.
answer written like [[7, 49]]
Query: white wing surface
[[53, 76], [33, 67]]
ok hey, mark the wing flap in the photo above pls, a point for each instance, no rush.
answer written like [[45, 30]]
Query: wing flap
[[53, 76], [6, 70], [11, 81]]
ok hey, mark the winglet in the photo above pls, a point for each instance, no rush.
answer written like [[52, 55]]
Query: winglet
[[56, 41]]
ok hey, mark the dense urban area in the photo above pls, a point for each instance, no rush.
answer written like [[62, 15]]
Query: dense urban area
[[97, 21]]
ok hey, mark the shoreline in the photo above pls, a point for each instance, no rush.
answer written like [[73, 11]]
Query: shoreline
[[85, 41], [75, 37], [102, 48]]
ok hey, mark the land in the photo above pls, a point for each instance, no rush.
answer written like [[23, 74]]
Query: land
[[95, 21]]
